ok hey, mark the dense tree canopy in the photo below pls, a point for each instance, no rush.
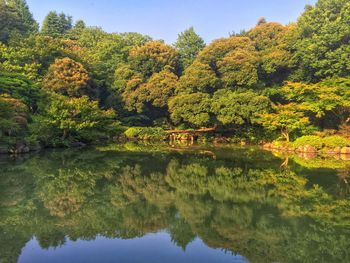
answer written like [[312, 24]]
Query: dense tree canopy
[[323, 47], [67, 77], [238, 108], [152, 57], [13, 117], [198, 77], [193, 109], [269, 79], [62, 119], [15, 18]]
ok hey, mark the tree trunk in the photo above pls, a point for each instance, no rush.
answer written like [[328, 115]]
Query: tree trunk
[[65, 134], [285, 134]]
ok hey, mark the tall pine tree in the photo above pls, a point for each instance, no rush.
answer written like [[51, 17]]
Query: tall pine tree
[[188, 44], [15, 18], [55, 25]]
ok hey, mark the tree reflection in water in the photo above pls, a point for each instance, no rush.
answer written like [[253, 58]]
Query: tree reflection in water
[[241, 201]]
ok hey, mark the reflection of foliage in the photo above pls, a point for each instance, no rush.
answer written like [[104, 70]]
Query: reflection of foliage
[[241, 202]]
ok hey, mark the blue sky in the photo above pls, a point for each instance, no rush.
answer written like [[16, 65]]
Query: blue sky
[[165, 19]]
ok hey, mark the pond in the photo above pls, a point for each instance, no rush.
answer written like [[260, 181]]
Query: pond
[[156, 203]]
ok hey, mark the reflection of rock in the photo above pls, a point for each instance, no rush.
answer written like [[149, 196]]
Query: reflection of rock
[[307, 149], [345, 157], [345, 150], [20, 147], [78, 144], [281, 148], [334, 151], [307, 155], [268, 146]]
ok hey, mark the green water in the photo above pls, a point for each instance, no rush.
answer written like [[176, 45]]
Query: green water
[[154, 203]]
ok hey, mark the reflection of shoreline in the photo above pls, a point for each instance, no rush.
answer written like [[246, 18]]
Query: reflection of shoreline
[[241, 201], [309, 155]]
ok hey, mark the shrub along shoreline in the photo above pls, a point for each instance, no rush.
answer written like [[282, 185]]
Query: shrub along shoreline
[[312, 144]]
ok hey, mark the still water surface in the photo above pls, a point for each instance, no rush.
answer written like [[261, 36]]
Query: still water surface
[[154, 203]]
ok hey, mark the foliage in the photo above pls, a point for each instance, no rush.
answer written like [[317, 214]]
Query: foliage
[[317, 98], [322, 142], [323, 44], [146, 133], [286, 118], [31, 56], [19, 87], [156, 91], [13, 117], [67, 77], [302, 68], [188, 45], [238, 68], [192, 109], [64, 119], [56, 25], [238, 108], [335, 141], [152, 57], [311, 140], [15, 18], [198, 77], [274, 43]]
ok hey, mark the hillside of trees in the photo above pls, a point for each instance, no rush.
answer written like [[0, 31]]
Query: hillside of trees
[[66, 82]]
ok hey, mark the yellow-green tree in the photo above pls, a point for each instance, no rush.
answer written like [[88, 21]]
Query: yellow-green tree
[[198, 77], [67, 77], [286, 118], [152, 57]]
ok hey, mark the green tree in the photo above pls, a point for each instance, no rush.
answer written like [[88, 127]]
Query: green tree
[[152, 57], [13, 116], [191, 109], [288, 118], [63, 119], [75, 32], [29, 23], [19, 87], [155, 93], [188, 45], [327, 99], [239, 69], [218, 49], [323, 47], [274, 43], [79, 25], [55, 25], [15, 18], [239, 108], [160, 87], [67, 77], [198, 77], [32, 56]]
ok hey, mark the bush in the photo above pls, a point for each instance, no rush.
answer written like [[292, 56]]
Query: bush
[[145, 133], [335, 141], [311, 140]]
